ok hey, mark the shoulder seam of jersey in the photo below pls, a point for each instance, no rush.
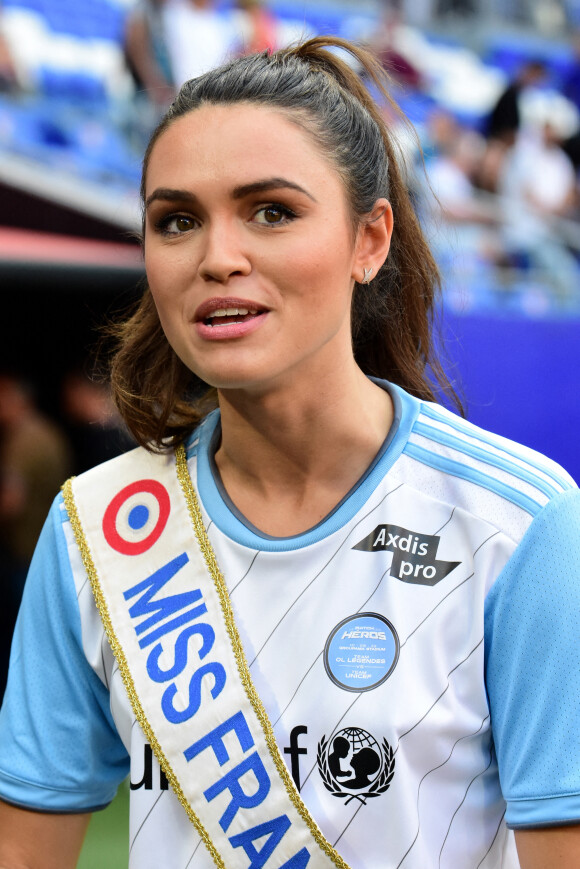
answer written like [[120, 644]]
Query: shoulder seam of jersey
[[471, 475], [526, 474], [542, 476]]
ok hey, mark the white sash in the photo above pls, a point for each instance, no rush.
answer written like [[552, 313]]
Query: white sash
[[169, 621]]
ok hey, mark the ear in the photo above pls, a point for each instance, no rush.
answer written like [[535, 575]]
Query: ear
[[373, 240]]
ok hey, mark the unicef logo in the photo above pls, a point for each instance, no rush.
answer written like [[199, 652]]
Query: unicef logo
[[353, 766]]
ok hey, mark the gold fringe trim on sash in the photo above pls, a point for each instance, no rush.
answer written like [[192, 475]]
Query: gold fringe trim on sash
[[126, 674], [243, 669]]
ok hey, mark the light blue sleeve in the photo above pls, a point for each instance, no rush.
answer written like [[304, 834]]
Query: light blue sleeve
[[59, 749], [532, 637]]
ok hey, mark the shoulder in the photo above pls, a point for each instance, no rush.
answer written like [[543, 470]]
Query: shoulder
[[520, 475], [485, 475]]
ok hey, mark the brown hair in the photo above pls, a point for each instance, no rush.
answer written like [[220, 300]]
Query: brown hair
[[159, 398]]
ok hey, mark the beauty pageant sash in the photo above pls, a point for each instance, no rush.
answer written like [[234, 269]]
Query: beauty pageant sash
[[169, 621]]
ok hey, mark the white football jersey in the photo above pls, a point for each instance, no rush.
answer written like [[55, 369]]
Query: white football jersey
[[416, 654]]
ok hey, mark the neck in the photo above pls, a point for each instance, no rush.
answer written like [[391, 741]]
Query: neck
[[287, 458]]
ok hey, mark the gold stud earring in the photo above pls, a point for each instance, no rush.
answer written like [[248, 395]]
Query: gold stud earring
[[367, 275]]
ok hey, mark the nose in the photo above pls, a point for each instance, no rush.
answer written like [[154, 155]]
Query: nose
[[223, 252]]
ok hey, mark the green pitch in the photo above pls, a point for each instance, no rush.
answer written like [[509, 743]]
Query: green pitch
[[107, 841]]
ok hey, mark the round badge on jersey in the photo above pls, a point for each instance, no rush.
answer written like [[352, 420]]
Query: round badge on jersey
[[361, 652], [136, 517]]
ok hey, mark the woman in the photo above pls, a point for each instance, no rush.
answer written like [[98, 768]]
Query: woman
[[388, 667]]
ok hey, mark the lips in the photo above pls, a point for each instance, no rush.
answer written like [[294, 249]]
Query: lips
[[231, 317], [217, 312]]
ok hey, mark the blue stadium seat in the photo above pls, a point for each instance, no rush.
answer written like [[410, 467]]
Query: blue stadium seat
[[73, 85]]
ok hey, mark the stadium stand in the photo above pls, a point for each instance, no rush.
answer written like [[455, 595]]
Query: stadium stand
[[70, 150]]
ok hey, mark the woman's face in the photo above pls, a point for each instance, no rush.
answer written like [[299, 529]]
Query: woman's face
[[250, 249]]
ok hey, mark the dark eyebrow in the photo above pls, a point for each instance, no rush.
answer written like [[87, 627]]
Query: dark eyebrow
[[168, 194], [267, 185]]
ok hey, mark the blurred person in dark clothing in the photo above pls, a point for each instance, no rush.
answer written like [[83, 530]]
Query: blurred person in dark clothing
[[505, 118], [456, 7], [34, 462], [571, 90], [93, 424]]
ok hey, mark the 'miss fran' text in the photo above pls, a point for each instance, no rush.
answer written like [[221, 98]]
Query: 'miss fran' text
[[176, 618]]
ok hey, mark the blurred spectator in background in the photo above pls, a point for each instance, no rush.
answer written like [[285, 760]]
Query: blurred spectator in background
[[93, 424], [258, 27], [35, 460], [491, 164], [537, 186], [571, 83], [418, 13], [147, 54], [571, 90], [440, 133], [198, 37], [460, 217], [503, 124], [504, 120], [8, 74], [456, 7], [451, 174], [387, 46]]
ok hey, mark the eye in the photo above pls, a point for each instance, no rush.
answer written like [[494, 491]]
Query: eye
[[274, 215], [175, 224]]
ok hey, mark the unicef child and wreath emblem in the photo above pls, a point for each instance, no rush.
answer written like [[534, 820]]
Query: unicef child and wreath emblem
[[353, 765]]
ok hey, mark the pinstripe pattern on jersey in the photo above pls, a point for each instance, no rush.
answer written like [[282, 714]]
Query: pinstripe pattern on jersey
[[428, 773], [344, 542], [266, 638], [343, 713], [437, 767]]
